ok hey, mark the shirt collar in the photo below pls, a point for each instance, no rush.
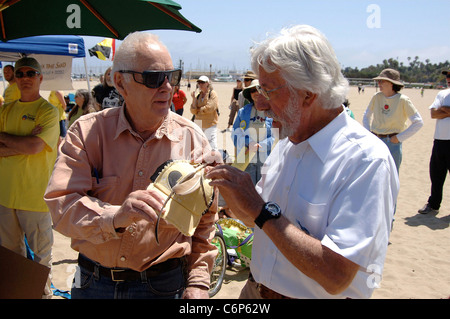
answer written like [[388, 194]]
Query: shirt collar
[[323, 141], [165, 129]]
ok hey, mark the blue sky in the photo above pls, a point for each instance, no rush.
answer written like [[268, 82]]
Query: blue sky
[[361, 34]]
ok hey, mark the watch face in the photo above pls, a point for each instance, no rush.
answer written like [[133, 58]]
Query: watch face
[[273, 208], [269, 211]]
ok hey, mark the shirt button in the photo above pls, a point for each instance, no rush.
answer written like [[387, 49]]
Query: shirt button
[[141, 173], [122, 258]]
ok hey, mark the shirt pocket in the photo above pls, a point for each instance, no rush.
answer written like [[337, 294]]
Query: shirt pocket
[[310, 217], [104, 188]]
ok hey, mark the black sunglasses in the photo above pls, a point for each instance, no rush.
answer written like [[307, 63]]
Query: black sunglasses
[[154, 79], [28, 74]]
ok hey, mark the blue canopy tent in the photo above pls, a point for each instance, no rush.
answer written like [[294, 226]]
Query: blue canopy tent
[[51, 45]]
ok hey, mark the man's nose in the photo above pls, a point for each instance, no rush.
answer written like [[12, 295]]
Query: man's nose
[[261, 103], [166, 85]]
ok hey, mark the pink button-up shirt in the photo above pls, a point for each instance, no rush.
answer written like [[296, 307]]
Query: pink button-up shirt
[[102, 161]]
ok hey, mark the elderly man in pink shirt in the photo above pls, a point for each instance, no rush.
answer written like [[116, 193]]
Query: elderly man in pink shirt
[[98, 191]]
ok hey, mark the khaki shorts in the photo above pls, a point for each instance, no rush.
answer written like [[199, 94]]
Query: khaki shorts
[[15, 224]]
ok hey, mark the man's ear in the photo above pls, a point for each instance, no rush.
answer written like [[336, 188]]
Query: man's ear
[[310, 98], [119, 82]]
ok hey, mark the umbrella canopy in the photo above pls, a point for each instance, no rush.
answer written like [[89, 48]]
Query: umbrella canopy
[[106, 18], [69, 45]]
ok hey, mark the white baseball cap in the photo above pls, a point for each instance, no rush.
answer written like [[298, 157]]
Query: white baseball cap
[[203, 78]]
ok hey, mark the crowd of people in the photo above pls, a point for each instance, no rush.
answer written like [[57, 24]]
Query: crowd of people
[[321, 200]]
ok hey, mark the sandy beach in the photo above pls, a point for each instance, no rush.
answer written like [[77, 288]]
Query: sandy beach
[[417, 263]]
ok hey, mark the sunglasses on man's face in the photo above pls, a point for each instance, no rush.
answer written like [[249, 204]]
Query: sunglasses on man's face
[[28, 74], [154, 79]]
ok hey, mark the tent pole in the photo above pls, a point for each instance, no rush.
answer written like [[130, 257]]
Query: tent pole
[[3, 78], [87, 75]]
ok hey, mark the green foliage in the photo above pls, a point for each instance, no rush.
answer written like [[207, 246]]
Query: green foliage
[[416, 72]]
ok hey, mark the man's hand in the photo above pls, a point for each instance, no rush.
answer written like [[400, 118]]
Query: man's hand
[[440, 113], [141, 204], [213, 157], [37, 130], [238, 191]]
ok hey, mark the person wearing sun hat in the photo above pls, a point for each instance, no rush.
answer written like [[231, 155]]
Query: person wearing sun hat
[[390, 111], [29, 132], [205, 107], [253, 129], [248, 77]]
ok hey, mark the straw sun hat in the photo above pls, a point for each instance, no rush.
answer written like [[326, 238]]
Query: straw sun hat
[[250, 75], [246, 91], [390, 75]]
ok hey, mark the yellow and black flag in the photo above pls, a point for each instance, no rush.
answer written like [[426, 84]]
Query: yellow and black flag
[[104, 50]]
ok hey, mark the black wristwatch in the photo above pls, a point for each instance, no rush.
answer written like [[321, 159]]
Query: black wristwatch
[[270, 210]]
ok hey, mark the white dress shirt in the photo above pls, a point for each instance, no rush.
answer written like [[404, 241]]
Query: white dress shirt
[[340, 186]]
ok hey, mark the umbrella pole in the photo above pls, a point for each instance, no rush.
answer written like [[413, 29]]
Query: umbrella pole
[[87, 75]]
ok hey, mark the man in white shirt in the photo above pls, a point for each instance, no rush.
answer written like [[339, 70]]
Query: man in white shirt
[[324, 205], [440, 155]]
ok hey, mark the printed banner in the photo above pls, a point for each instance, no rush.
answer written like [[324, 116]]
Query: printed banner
[[57, 70]]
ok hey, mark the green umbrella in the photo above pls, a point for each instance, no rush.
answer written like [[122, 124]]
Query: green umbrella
[[105, 18]]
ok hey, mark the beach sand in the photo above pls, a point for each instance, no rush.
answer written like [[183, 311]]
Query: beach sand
[[417, 262]]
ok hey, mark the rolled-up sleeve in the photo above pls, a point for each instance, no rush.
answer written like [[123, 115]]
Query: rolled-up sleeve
[[201, 260], [75, 214], [101, 162]]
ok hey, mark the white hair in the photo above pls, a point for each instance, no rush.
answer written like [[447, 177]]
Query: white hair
[[306, 60], [128, 54]]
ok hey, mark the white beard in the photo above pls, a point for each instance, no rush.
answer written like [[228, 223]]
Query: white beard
[[289, 119]]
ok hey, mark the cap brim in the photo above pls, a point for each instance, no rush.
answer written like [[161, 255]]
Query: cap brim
[[176, 214]]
